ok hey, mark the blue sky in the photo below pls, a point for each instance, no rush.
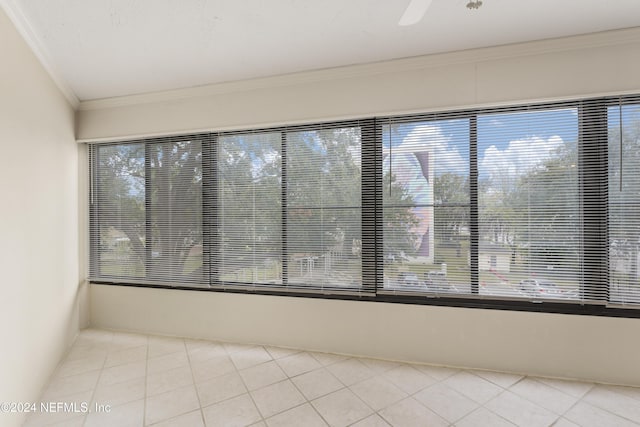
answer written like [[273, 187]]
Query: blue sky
[[510, 141], [629, 113], [500, 129]]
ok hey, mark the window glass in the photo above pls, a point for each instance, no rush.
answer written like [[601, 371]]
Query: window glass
[[426, 206], [118, 222], [624, 203], [524, 203], [250, 208], [529, 204], [175, 211], [324, 207]]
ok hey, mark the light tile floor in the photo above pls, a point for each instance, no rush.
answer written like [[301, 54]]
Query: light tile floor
[[162, 381]]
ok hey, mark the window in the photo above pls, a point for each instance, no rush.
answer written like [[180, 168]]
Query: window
[[426, 203], [279, 209], [527, 207], [173, 240], [529, 203], [324, 207], [248, 211], [624, 202], [118, 214], [146, 216]]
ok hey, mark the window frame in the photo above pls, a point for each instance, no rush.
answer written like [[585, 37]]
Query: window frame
[[593, 253]]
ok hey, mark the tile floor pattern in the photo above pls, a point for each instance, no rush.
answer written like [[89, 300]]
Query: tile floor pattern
[[161, 381]]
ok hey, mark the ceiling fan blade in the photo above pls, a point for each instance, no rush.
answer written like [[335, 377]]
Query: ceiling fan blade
[[414, 12]]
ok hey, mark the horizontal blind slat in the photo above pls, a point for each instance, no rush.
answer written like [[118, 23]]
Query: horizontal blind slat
[[557, 199]]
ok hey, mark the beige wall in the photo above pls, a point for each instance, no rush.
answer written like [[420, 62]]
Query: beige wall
[[594, 348], [556, 69], [559, 345], [39, 227]]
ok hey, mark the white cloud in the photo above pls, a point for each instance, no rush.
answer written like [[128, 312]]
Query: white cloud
[[446, 157], [518, 158], [258, 163], [355, 151]]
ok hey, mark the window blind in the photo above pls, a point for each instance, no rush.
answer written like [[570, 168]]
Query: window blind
[[525, 204], [146, 216], [248, 209], [529, 203], [118, 212], [426, 205], [324, 207], [624, 201]]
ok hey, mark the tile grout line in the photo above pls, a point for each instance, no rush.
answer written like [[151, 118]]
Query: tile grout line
[[595, 405], [95, 388], [112, 348], [344, 386], [170, 369], [484, 406], [561, 415], [193, 378], [146, 374], [53, 376], [262, 419], [307, 401], [480, 405]]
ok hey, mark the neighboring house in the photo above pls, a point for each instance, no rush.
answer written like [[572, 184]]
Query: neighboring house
[[494, 257], [625, 258]]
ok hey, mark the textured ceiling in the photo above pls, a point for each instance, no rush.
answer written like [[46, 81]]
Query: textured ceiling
[[103, 48]]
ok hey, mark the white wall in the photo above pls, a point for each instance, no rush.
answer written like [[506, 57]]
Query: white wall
[[39, 228], [594, 348], [558, 345], [554, 69]]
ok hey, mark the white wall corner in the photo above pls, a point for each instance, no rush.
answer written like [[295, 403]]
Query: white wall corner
[[14, 11]]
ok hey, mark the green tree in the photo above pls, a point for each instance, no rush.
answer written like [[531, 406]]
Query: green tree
[[150, 196], [323, 190], [624, 196], [175, 205], [549, 218], [535, 212], [249, 210], [399, 220], [168, 190], [451, 198], [501, 209], [119, 201]]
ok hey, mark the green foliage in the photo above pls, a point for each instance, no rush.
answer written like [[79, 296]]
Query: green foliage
[[624, 198], [120, 204], [536, 212], [451, 197], [323, 190], [174, 207], [398, 221], [249, 197]]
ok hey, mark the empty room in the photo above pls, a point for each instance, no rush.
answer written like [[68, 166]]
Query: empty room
[[304, 213]]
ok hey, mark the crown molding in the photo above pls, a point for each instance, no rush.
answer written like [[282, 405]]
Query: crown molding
[[266, 125], [16, 15], [593, 40]]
